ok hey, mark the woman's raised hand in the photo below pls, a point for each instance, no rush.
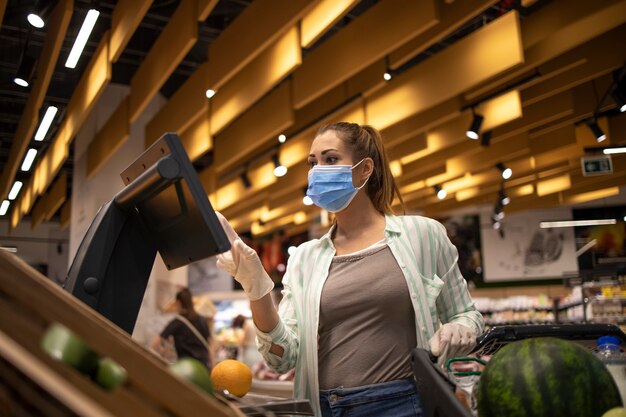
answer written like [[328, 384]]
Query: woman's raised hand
[[243, 263]]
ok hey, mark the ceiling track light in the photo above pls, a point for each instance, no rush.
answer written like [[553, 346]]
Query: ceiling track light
[[596, 130], [505, 172], [245, 179], [503, 198], [306, 200], [282, 138], [37, 15], [485, 139], [25, 69], [619, 99], [441, 193], [388, 75], [210, 93], [474, 130], [279, 169]]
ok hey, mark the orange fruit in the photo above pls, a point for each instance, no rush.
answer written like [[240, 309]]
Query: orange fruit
[[233, 376]]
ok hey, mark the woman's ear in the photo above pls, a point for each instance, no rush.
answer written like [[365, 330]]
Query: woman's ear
[[368, 168]]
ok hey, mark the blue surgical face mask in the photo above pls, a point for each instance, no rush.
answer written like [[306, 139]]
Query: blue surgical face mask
[[330, 186]]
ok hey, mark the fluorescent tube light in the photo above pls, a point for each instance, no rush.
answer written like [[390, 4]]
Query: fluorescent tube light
[[45, 124], [4, 207], [611, 151], [15, 190], [28, 159], [574, 223], [81, 39]]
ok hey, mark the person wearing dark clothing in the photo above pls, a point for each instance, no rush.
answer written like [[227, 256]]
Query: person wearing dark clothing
[[186, 329]]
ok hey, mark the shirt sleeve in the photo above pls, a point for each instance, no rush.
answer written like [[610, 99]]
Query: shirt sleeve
[[285, 334], [454, 305]]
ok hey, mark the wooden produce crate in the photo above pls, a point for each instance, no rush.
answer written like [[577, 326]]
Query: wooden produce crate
[[33, 383]]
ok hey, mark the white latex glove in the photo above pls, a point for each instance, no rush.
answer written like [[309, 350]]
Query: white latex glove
[[243, 263], [452, 340]]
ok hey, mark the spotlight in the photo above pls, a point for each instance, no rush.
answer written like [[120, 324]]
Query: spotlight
[[506, 172], [282, 138], [485, 138], [306, 200], [245, 179], [504, 199], [210, 93], [595, 129], [37, 15], [35, 20], [496, 225], [387, 75], [499, 215], [474, 131], [279, 169], [24, 70], [620, 99], [441, 193]]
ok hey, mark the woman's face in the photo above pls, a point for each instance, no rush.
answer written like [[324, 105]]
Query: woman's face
[[328, 149]]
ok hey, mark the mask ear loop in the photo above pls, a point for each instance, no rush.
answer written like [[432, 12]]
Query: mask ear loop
[[368, 178]]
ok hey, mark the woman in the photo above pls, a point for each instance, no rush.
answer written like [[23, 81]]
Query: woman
[[358, 300], [189, 330]]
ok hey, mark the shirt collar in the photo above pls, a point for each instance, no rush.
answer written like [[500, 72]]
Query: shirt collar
[[392, 225]]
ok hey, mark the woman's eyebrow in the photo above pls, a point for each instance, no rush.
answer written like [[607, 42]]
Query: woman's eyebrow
[[323, 152]]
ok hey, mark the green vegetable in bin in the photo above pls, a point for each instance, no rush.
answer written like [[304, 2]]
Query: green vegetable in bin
[[546, 377], [615, 412], [109, 375], [62, 344], [193, 371]]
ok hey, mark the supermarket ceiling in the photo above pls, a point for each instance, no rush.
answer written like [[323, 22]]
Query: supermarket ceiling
[[536, 72]]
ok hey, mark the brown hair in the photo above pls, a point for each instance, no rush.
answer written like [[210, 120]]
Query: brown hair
[[184, 298], [366, 141]]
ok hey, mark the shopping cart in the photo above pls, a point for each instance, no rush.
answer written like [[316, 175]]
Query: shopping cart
[[438, 390]]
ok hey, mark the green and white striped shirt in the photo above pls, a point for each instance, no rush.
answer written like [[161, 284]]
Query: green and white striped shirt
[[429, 263]]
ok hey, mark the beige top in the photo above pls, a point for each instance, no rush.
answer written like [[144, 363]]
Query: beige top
[[367, 322]]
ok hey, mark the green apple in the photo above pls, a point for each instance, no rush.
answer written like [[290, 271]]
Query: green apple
[[615, 412], [63, 345], [109, 374], [193, 371]]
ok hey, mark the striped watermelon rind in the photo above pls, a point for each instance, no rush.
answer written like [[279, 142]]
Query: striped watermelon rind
[[545, 377]]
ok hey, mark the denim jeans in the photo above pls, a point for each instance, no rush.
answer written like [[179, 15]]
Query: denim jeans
[[388, 399]]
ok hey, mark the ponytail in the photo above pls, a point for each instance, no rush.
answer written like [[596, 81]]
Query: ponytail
[[367, 142]]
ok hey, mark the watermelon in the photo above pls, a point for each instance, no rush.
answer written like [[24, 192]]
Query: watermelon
[[545, 377]]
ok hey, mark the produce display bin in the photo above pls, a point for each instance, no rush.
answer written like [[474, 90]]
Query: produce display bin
[[34, 384], [438, 391]]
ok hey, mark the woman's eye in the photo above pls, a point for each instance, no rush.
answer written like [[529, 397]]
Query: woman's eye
[[331, 160], [312, 164]]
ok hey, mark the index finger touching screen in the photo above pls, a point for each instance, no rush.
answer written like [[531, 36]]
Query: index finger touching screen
[[230, 232]]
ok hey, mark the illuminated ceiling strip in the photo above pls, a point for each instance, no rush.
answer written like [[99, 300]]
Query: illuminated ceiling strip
[[4, 207], [29, 159], [81, 39], [574, 223], [611, 151], [46, 121]]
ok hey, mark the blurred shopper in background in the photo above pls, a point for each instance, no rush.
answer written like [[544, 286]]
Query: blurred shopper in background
[[188, 332]]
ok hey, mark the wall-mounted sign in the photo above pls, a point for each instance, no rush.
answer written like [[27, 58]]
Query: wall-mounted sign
[[596, 165]]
